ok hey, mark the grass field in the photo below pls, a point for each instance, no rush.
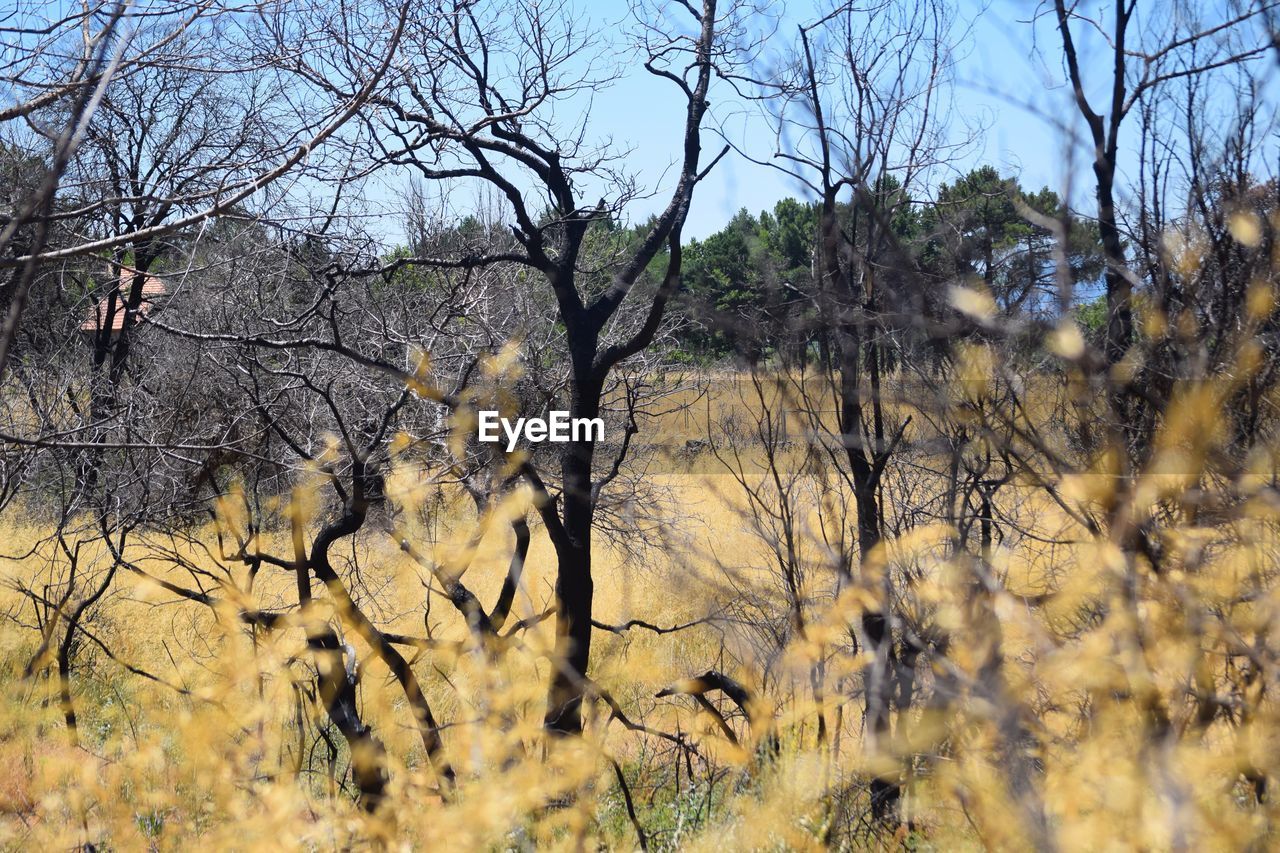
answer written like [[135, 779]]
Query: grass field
[[1035, 702]]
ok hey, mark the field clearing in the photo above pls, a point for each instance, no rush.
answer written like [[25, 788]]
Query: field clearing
[[198, 725], [203, 747]]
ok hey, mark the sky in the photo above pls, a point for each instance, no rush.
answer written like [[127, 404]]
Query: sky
[[1001, 84], [1000, 87], [1008, 98]]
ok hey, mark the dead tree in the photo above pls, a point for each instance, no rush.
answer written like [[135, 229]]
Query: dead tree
[[454, 117], [1147, 49], [865, 146]]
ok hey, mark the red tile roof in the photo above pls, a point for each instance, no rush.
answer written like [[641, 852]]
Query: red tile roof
[[153, 288]]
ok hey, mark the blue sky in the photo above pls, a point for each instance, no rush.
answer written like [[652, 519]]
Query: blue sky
[[1000, 83], [989, 86]]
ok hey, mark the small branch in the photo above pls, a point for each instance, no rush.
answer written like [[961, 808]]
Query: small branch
[[649, 626], [631, 809]]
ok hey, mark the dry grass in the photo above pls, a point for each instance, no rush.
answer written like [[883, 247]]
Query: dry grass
[[223, 749]]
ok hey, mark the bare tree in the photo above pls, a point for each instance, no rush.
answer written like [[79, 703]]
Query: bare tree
[[479, 106], [163, 121], [1147, 49], [863, 109]]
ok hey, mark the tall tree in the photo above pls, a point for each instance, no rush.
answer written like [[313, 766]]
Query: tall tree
[[980, 226], [477, 102], [1148, 48], [864, 150]]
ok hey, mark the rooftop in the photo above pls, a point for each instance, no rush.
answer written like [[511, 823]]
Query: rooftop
[[153, 287]]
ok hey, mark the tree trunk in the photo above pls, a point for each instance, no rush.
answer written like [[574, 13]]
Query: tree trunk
[[1119, 297], [575, 589]]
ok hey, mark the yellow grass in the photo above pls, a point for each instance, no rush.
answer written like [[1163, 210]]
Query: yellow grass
[[212, 753]]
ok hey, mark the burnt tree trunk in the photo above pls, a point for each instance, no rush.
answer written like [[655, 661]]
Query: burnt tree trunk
[[847, 288], [570, 526], [335, 681], [575, 589]]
